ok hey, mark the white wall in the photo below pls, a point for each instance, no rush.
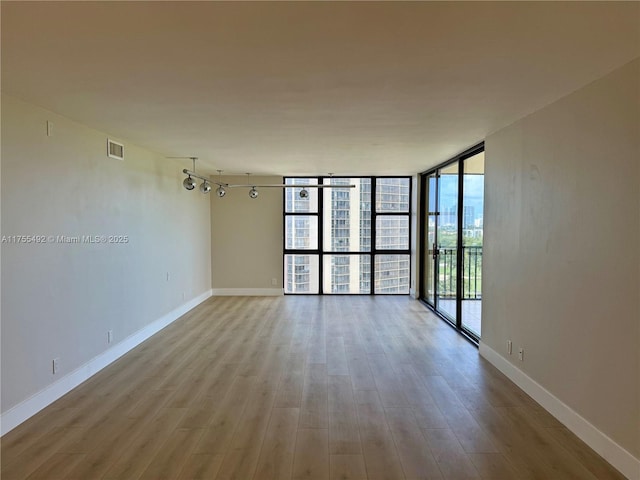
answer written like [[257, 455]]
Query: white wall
[[562, 252], [246, 239], [59, 300]]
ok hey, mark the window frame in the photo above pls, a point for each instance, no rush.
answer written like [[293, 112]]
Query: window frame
[[320, 252], [423, 247]]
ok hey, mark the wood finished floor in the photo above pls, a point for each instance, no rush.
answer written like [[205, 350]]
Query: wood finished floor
[[348, 388]]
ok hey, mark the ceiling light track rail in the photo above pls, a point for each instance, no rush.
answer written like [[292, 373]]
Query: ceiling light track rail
[[288, 185], [205, 179], [190, 184]]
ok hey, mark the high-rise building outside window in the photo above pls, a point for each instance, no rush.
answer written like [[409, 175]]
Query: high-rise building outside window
[[347, 240]]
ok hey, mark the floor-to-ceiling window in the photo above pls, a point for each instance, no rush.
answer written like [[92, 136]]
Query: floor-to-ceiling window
[[351, 238], [472, 231], [451, 226]]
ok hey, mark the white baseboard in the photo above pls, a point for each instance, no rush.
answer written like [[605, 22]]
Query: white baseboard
[[607, 448], [32, 405], [247, 292]]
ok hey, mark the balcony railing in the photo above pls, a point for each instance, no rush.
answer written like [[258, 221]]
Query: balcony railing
[[471, 273]]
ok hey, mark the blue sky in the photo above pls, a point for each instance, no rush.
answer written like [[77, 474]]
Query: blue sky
[[473, 192]]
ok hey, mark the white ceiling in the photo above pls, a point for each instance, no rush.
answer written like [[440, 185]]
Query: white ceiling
[[297, 88]]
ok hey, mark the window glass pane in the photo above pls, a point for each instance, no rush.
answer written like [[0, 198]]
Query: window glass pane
[[347, 215], [447, 239], [392, 274], [392, 194], [472, 221], [392, 232], [301, 232], [346, 273], [301, 273], [293, 203]]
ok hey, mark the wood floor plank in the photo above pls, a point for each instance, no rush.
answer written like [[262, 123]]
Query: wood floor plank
[[415, 454], [361, 377], [336, 356], [560, 462], [386, 380], [57, 466], [340, 394], [145, 445], [242, 456], [414, 390], [201, 466], [110, 446], [276, 456], [311, 461], [344, 437], [314, 410], [527, 461], [600, 469], [429, 416], [452, 460], [380, 455], [33, 431], [297, 387], [494, 466], [173, 454], [217, 434], [24, 464], [347, 467], [292, 382]]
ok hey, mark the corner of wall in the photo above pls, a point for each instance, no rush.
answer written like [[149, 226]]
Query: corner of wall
[[615, 454], [32, 405]]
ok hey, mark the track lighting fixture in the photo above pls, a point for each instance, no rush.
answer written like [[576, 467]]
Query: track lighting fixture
[[189, 183], [220, 191], [205, 187]]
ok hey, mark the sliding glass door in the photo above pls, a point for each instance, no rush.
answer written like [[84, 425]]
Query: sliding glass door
[[451, 242], [429, 222], [447, 241], [472, 229]]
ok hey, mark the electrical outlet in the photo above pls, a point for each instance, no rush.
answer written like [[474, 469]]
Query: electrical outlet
[[184, 296], [168, 277], [49, 128], [274, 281], [509, 347], [56, 365], [109, 336], [521, 354]]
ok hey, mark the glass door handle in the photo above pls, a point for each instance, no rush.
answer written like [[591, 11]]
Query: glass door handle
[[435, 251]]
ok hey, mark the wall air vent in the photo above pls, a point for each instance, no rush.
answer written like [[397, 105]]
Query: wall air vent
[[115, 149]]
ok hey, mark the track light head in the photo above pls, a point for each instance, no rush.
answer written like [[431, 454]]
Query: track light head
[[253, 193], [189, 183], [205, 187], [220, 191], [304, 193]]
